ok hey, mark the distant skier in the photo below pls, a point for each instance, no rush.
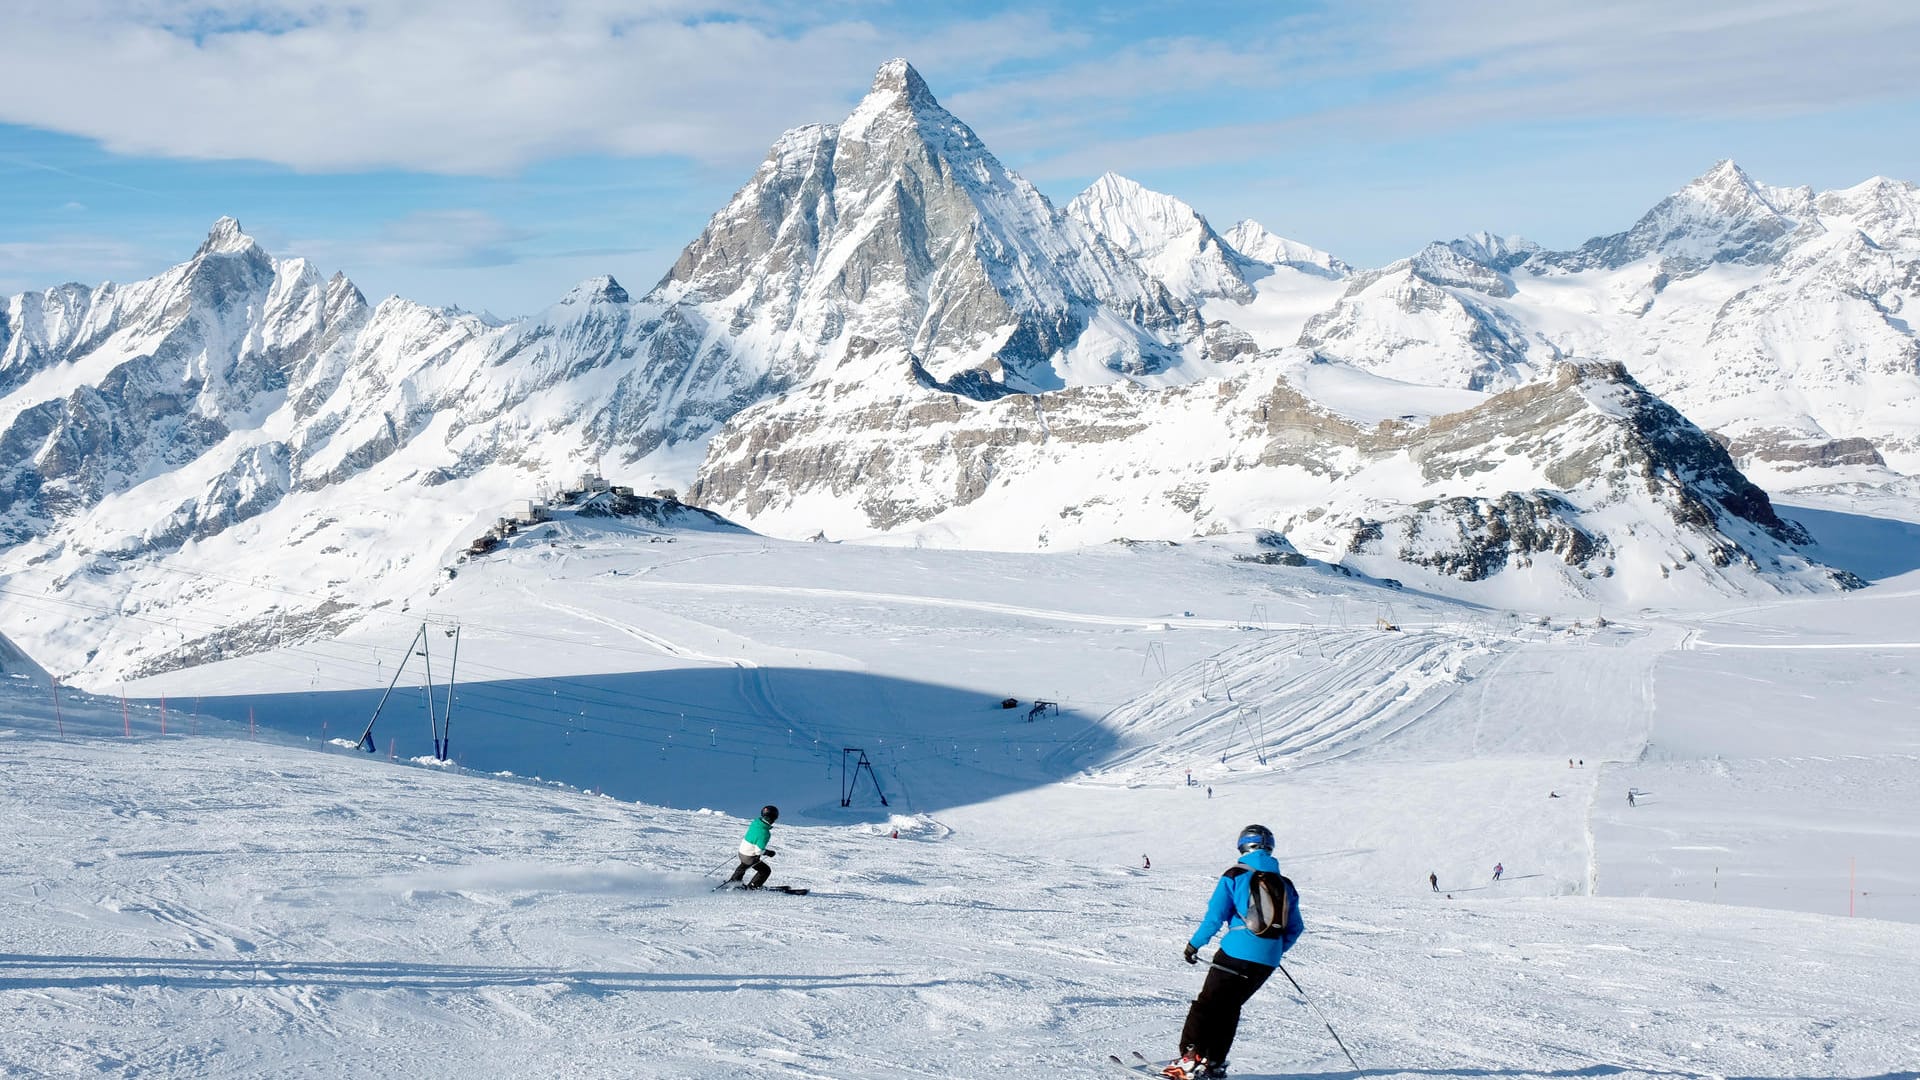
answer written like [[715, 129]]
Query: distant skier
[[1209, 791], [754, 850], [1553, 794], [1261, 912], [1630, 801], [1498, 870], [1146, 863], [1433, 881]]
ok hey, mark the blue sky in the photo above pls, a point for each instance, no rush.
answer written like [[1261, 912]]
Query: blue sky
[[491, 153]]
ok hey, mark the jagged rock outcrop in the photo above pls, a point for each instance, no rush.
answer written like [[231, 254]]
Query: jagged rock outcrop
[[1585, 471]]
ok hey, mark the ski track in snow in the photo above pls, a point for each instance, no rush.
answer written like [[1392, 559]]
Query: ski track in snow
[[1042, 614]]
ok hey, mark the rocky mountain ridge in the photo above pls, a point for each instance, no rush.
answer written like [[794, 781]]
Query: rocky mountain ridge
[[1581, 484]]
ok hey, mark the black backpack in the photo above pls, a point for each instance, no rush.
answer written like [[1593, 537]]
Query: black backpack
[[1267, 896]]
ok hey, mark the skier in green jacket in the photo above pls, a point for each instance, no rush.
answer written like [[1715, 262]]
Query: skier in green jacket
[[754, 850]]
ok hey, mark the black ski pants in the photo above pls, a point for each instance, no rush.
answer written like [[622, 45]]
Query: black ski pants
[[760, 867], [1214, 1017]]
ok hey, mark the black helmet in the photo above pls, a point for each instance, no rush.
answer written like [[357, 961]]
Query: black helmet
[[771, 813], [1256, 836]]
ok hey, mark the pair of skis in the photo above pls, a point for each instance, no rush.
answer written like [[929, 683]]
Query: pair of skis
[[787, 889], [1139, 1066]]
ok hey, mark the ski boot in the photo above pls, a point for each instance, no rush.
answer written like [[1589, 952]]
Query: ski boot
[[1191, 1066]]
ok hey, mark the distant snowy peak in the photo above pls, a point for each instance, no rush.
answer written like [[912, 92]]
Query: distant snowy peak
[[1499, 252], [1252, 239], [1886, 211], [1168, 238], [597, 290], [1722, 216], [226, 236], [1726, 216]]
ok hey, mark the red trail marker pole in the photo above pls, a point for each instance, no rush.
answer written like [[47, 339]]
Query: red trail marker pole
[[252, 731], [57, 719], [126, 722], [163, 714], [392, 744]]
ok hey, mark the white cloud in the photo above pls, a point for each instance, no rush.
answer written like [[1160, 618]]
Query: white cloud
[[454, 86]]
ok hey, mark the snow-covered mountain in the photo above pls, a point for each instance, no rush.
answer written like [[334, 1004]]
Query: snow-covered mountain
[[1251, 239], [1774, 317], [242, 377], [897, 230], [1270, 285], [242, 416], [1167, 238]]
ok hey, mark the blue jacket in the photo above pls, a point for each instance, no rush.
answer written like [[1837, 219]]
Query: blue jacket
[[1230, 900]]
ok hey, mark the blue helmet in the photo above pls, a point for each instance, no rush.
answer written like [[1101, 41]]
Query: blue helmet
[[1256, 836]]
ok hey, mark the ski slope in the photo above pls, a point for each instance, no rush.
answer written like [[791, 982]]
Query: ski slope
[[188, 906], [247, 894]]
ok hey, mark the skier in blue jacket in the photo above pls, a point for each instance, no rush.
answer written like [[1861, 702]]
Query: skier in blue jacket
[[1242, 963]]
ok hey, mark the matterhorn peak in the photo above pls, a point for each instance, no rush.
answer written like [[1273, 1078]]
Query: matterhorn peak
[[900, 93], [897, 77], [225, 237]]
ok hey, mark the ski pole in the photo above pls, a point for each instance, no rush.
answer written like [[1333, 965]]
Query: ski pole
[[1322, 1016], [1217, 966]]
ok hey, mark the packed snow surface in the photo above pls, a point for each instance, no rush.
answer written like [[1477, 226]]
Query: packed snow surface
[[247, 895]]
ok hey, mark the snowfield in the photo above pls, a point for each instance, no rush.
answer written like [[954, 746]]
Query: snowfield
[[247, 895]]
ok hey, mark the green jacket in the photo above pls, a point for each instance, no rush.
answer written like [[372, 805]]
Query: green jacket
[[758, 833]]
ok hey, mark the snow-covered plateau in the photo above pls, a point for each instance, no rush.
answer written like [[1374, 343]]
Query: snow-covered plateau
[[247, 894], [383, 689]]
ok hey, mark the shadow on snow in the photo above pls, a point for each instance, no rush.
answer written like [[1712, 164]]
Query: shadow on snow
[[724, 738], [1876, 548]]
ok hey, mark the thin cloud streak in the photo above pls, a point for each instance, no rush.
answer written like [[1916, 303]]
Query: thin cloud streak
[[29, 163]]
